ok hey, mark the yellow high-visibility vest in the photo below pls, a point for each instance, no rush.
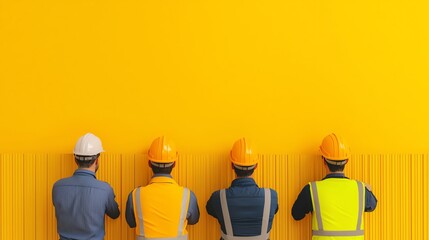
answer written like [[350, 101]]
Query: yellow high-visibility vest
[[338, 207], [160, 209]]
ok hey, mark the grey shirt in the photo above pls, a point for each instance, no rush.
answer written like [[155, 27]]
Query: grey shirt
[[80, 203]]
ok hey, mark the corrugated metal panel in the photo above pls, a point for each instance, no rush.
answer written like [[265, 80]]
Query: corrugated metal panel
[[400, 181]]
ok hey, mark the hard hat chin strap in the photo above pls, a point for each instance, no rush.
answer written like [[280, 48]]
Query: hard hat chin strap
[[86, 158], [162, 165], [337, 163], [244, 168]]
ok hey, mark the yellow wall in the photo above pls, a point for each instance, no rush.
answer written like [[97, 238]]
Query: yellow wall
[[284, 73], [400, 182], [207, 72]]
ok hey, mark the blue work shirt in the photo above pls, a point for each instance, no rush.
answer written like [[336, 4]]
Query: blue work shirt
[[193, 214], [246, 206], [303, 204], [80, 203]]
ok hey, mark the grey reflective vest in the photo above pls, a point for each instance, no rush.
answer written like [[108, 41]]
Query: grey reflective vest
[[229, 235]]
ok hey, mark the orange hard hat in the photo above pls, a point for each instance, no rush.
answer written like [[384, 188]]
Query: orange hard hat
[[162, 150], [242, 153], [334, 148]]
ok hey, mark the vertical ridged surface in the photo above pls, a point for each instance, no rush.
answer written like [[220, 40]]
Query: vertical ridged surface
[[400, 182]]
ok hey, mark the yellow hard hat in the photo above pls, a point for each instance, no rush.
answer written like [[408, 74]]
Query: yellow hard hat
[[334, 148], [162, 150], [242, 154]]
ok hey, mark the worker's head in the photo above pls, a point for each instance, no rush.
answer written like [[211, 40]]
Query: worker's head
[[335, 152], [87, 150], [243, 160], [162, 155]]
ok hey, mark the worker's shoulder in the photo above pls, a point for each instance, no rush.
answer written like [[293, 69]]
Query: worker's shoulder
[[273, 192], [191, 192], [64, 182], [87, 183], [215, 194], [102, 185]]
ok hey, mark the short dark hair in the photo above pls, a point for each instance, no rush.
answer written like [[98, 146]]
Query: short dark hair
[[335, 168], [85, 164], [161, 170], [243, 173]]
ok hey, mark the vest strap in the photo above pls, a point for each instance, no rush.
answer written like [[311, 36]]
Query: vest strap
[[317, 206], [225, 213], [338, 233], [183, 212], [361, 203], [139, 212]]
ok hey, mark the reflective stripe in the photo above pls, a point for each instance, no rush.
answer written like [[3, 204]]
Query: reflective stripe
[[317, 206], [338, 233], [139, 212], [227, 219], [183, 211], [225, 213], [360, 189], [184, 237], [267, 207]]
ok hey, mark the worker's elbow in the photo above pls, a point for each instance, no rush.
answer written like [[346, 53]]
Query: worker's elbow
[[131, 224], [193, 221], [297, 217], [114, 215], [371, 208]]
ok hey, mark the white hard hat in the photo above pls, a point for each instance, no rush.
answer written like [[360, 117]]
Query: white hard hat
[[88, 145]]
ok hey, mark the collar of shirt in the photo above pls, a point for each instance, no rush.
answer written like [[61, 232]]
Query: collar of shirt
[[83, 172], [162, 178], [335, 175], [243, 182], [162, 175]]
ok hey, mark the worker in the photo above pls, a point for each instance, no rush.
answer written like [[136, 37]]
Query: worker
[[163, 208], [336, 202], [81, 201], [244, 211]]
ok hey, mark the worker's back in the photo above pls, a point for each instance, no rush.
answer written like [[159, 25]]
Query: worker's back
[[80, 204], [338, 205], [245, 201], [164, 206]]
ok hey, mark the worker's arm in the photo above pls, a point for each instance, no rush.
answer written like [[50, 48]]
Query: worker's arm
[[193, 214], [213, 205], [129, 211], [54, 194], [274, 199], [302, 205], [370, 200], [112, 208]]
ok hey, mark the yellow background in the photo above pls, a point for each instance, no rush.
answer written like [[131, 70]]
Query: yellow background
[[284, 73]]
